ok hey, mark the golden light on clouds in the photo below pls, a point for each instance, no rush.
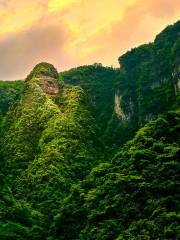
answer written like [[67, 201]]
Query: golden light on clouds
[[97, 17], [15, 18], [58, 5], [19, 19], [70, 33]]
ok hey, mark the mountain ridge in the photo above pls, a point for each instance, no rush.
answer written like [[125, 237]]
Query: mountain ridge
[[93, 152]]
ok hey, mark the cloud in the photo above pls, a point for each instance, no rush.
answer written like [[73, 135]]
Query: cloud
[[56, 5], [20, 51], [69, 33], [19, 15], [140, 24]]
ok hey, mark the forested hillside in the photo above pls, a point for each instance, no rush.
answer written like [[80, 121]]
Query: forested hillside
[[146, 85], [93, 153], [99, 84], [48, 142], [135, 196]]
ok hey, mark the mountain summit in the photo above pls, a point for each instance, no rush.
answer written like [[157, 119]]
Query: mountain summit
[[47, 77]]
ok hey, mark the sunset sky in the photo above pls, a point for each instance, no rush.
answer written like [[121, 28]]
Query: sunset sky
[[69, 33]]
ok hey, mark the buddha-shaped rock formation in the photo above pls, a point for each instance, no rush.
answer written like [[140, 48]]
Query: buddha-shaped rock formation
[[47, 78]]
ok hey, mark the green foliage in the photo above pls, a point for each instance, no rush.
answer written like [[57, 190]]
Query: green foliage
[[134, 197], [41, 69], [17, 219], [98, 82], [9, 94], [47, 144], [147, 82]]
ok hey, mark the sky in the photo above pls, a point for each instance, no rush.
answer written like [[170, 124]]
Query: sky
[[70, 33]]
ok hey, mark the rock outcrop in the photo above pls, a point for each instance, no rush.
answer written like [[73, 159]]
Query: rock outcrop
[[46, 76]]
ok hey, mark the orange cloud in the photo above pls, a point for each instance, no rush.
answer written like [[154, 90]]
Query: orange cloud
[[140, 24], [18, 15], [21, 51], [69, 33]]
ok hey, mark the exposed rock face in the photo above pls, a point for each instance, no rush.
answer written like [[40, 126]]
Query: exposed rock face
[[176, 78], [49, 85], [158, 83], [46, 76], [117, 107]]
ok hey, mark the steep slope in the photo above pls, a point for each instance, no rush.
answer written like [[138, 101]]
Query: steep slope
[[124, 99], [136, 196], [146, 85], [48, 142], [98, 82]]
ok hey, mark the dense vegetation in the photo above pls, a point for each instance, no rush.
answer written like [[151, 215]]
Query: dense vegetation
[[9, 94], [136, 196], [48, 143], [147, 83], [93, 152], [99, 84]]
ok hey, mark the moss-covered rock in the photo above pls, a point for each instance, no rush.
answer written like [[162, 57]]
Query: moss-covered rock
[[43, 69]]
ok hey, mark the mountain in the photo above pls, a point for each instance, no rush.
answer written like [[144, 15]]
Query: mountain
[[48, 142], [135, 196], [145, 86], [99, 84], [93, 152]]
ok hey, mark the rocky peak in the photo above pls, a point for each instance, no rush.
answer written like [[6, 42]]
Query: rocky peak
[[46, 76]]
